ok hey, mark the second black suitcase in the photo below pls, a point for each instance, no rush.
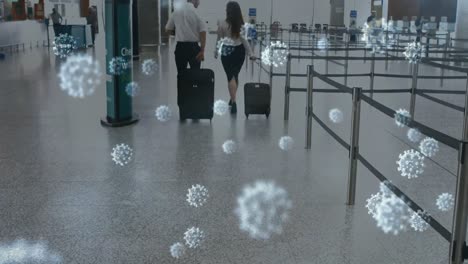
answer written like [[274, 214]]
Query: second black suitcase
[[195, 94], [257, 98]]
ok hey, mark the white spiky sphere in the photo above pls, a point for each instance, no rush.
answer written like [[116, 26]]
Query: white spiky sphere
[[429, 147], [335, 115], [220, 107], [177, 250], [229, 147], [163, 113], [194, 237], [414, 135], [197, 195], [80, 76], [411, 164], [445, 202], [286, 143]]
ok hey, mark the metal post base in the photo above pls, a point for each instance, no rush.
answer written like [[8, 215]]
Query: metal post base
[[107, 122]]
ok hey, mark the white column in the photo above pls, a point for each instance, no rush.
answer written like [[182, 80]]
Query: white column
[[461, 26]]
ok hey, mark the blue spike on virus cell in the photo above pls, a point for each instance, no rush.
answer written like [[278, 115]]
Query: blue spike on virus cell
[[445, 201], [177, 250], [429, 147], [149, 67], [411, 164], [229, 147], [118, 66], [335, 115], [262, 208], [220, 107], [132, 89], [64, 45], [163, 113], [122, 154], [80, 76], [194, 237], [197, 195], [286, 143], [275, 54]]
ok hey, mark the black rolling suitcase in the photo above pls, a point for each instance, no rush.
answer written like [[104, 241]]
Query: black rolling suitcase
[[195, 94], [257, 98]]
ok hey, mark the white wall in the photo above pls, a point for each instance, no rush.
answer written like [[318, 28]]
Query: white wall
[[287, 12]]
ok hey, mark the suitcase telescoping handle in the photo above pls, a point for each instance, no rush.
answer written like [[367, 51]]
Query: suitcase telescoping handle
[[260, 69]]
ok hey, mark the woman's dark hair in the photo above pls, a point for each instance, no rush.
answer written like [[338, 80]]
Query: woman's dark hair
[[234, 18]]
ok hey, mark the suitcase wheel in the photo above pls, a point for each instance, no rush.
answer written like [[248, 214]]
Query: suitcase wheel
[[247, 116]]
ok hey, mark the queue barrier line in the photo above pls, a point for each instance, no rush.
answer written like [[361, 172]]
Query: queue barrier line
[[430, 132], [442, 102], [445, 67], [430, 77], [439, 228], [430, 91]]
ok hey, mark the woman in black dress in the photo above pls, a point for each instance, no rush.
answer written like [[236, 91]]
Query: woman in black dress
[[233, 49]]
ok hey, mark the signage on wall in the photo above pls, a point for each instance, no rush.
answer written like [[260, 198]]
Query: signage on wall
[[377, 2], [353, 14], [252, 12]]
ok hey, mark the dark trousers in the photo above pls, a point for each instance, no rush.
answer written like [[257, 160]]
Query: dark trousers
[[57, 29], [93, 34], [186, 53]]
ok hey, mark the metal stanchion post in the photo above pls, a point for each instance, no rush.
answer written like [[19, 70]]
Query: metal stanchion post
[[326, 61], [372, 74], [354, 146], [465, 119], [309, 109], [300, 44], [414, 87], [346, 63], [286, 88], [442, 71], [386, 49], [460, 215], [271, 78]]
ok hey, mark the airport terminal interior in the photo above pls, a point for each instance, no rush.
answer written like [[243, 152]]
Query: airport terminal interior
[[349, 143]]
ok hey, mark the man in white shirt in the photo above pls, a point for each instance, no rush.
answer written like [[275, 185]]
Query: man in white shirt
[[189, 31]]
